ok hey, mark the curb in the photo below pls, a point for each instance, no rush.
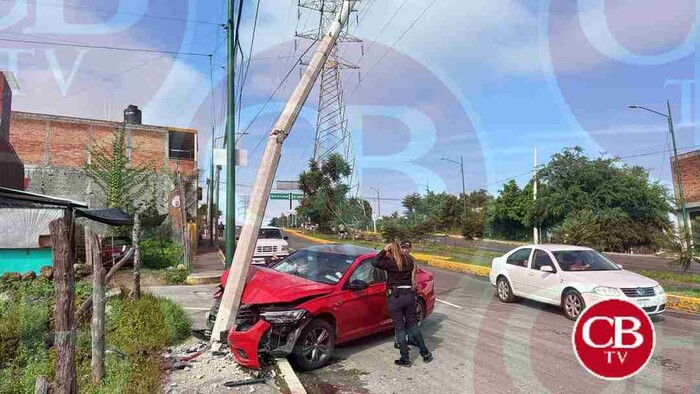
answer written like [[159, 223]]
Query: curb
[[203, 280], [686, 304], [290, 378]]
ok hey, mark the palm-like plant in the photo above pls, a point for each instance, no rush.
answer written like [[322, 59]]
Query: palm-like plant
[[109, 167], [684, 253]]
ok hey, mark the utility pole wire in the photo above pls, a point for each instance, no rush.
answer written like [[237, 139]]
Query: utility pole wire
[[112, 12], [110, 48], [392, 46]]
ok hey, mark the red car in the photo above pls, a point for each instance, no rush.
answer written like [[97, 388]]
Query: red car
[[306, 304]]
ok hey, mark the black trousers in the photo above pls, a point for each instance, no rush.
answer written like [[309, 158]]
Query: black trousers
[[402, 307]]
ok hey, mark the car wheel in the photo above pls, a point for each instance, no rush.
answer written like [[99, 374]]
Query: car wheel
[[315, 345], [420, 311], [211, 317], [504, 291], [573, 304]]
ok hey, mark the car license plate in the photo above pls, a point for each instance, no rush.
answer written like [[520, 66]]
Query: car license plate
[[644, 302]]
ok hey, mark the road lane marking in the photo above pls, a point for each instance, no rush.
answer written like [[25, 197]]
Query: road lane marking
[[448, 303], [196, 309]]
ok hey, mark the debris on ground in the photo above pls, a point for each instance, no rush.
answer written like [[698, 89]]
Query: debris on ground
[[194, 368]]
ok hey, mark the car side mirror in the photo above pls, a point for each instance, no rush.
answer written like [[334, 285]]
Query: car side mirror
[[357, 284], [286, 237], [547, 268]]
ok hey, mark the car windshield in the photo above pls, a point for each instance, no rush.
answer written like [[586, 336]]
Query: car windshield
[[583, 260], [319, 267], [270, 233]]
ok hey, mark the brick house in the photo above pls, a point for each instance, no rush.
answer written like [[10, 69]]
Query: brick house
[[55, 150], [690, 174]]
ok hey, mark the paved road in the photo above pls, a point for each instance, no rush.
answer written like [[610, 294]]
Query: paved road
[[482, 345], [635, 262]]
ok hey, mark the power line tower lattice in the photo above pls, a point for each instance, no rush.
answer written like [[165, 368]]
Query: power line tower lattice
[[332, 134]]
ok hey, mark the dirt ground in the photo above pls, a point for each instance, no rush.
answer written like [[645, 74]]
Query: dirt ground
[[208, 372]]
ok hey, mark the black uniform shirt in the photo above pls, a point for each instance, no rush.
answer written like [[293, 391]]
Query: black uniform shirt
[[395, 277]]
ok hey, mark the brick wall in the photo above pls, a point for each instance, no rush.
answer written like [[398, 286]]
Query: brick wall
[[55, 150], [690, 174]]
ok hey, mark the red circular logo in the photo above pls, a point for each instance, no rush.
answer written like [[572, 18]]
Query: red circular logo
[[613, 339]]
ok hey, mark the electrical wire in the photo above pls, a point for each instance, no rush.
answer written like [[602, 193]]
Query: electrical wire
[[291, 69], [415, 21], [103, 47], [111, 12], [250, 56]]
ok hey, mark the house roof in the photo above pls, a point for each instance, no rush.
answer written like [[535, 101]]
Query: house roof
[[28, 197]]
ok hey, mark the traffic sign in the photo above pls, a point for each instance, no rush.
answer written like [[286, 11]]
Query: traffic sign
[[279, 196], [297, 196]]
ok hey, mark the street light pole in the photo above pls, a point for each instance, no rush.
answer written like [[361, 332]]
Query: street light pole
[[379, 204], [460, 163], [681, 197]]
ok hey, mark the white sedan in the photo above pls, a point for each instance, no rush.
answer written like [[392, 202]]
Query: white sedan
[[572, 277]]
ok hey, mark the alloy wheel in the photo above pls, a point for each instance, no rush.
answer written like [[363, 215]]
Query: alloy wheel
[[317, 345], [573, 305], [503, 290]]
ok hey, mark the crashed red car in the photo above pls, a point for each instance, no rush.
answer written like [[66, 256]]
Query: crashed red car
[[316, 298]]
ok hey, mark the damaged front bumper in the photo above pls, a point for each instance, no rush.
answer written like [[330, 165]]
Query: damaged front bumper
[[249, 342]]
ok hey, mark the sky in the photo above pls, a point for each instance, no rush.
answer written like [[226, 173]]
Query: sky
[[486, 80]]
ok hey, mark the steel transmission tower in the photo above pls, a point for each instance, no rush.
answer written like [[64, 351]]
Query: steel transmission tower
[[332, 135]]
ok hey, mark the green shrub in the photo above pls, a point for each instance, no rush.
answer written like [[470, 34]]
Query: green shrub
[[159, 253], [139, 326], [176, 320], [174, 277], [144, 376]]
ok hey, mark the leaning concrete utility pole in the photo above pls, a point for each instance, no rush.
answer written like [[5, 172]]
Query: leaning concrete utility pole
[[266, 174]]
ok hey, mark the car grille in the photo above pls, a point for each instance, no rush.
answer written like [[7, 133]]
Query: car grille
[[662, 307], [246, 318], [267, 249], [635, 292], [649, 309]]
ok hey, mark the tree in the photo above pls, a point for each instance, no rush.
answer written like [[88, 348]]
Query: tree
[[411, 202], [110, 168], [506, 213], [630, 210], [582, 228], [325, 195]]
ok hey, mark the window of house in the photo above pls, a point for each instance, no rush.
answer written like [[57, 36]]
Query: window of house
[[181, 145]]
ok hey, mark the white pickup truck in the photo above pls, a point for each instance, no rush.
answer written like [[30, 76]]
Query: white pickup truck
[[271, 242]]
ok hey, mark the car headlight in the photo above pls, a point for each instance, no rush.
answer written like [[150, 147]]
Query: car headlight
[[607, 291], [283, 317], [658, 290]]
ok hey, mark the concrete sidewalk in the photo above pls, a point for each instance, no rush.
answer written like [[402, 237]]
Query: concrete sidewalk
[[207, 266]]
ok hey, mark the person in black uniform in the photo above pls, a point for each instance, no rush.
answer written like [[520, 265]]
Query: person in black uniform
[[401, 300]]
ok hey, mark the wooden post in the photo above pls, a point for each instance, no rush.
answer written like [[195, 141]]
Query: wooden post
[[42, 386], [94, 255], [87, 304], [136, 238], [62, 246]]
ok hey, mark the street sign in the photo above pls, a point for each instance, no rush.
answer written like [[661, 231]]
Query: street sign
[[287, 185], [279, 196], [241, 157], [297, 196]]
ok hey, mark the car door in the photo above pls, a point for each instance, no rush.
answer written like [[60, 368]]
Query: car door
[[544, 286], [517, 265], [360, 312]]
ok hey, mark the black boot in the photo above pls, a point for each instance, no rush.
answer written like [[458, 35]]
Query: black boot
[[427, 357], [403, 363]]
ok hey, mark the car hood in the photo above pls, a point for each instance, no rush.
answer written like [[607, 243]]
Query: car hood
[[270, 242], [266, 286], [617, 278]]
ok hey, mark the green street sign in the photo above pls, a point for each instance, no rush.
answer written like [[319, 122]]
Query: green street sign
[[297, 196], [279, 196]]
